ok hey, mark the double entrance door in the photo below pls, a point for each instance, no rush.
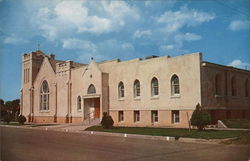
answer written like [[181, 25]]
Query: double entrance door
[[91, 108]]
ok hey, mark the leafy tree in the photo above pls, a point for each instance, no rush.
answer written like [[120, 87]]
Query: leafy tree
[[107, 121], [13, 107], [2, 108], [21, 119], [7, 118], [200, 118]]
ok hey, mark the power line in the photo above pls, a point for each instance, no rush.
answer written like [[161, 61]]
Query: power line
[[232, 8]]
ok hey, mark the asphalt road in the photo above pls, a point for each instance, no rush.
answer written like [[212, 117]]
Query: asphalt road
[[19, 144]]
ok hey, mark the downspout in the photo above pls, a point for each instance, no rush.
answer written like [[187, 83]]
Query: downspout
[[31, 104], [55, 116]]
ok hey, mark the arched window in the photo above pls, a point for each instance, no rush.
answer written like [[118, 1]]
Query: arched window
[[137, 91], [247, 88], [233, 86], [44, 96], [79, 104], [120, 90], [218, 84], [154, 87], [91, 89], [175, 85]]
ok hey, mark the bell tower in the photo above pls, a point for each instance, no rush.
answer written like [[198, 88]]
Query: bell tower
[[31, 64]]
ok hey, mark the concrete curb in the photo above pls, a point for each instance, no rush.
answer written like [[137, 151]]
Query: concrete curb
[[135, 136], [123, 135]]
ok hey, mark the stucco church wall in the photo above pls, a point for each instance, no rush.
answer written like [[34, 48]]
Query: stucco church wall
[[186, 67], [46, 73], [164, 118]]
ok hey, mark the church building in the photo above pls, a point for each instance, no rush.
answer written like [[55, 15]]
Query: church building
[[153, 91]]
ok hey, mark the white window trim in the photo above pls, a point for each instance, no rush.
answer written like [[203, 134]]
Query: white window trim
[[173, 119]]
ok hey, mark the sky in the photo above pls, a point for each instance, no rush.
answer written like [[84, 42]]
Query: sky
[[78, 30]]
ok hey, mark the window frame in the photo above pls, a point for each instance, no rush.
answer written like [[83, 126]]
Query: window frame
[[154, 87], [44, 96], [175, 118], [121, 90], [137, 116], [175, 85], [154, 116], [79, 103], [137, 89], [91, 89], [120, 116]]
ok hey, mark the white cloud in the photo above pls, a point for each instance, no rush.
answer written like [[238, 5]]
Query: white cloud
[[120, 9], [69, 17], [14, 40], [187, 37], [159, 3], [239, 25], [79, 44], [143, 33], [173, 21], [166, 47], [176, 45], [239, 64]]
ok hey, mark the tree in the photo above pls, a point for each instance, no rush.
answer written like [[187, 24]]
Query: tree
[[200, 118], [2, 108], [7, 118], [107, 121], [13, 107], [21, 119]]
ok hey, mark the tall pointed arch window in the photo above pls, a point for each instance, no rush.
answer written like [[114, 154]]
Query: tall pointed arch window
[[154, 87], [79, 103], [91, 89], [44, 96], [121, 90], [218, 84], [137, 91], [175, 85], [233, 86], [247, 88]]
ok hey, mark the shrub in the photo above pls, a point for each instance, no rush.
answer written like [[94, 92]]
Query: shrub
[[107, 121], [200, 118], [7, 118], [21, 119]]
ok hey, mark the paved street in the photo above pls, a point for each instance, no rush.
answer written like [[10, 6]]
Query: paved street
[[19, 144]]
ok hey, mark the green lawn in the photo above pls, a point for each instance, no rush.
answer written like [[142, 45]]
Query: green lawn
[[175, 132], [237, 123]]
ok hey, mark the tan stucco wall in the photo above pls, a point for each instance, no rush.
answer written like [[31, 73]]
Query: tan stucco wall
[[164, 118], [186, 67]]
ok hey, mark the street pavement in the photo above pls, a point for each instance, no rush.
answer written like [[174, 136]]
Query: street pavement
[[20, 144]]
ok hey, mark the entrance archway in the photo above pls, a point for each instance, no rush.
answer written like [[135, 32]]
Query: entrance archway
[[91, 108]]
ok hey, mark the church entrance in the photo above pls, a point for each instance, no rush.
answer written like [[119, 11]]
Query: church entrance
[[91, 108]]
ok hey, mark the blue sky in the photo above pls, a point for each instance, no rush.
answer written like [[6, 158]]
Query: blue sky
[[77, 30]]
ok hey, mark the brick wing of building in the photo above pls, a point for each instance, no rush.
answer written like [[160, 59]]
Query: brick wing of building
[[155, 91]]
